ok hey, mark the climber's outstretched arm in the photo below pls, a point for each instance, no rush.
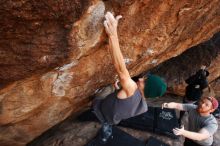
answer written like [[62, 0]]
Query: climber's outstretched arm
[[128, 85]]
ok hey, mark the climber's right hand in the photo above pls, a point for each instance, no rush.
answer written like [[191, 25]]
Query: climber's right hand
[[111, 23]]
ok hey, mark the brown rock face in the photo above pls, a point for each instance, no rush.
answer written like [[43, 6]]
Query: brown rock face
[[34, 35], [216, 87], [53, 54]]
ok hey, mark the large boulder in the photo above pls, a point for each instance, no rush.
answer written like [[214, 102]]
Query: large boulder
[[54, 54]]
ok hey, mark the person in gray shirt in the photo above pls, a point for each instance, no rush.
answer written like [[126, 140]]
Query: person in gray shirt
[[202, 124], [129, 101]]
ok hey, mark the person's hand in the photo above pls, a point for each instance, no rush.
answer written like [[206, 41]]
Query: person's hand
[[111, 24], [170, 105], [116, 84], [203, 67], [197, 86], [164, 105], [178, 131]]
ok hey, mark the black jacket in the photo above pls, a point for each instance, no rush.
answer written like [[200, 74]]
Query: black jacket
[[196, 84]]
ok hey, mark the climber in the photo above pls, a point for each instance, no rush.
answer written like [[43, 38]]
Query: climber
[[129, 100], [194, 90], [201, 123]]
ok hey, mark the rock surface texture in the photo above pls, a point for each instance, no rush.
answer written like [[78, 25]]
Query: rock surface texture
[[54, 54]]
